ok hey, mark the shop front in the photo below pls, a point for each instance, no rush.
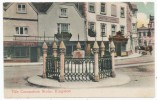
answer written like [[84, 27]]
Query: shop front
[[17, 51], [120, 44]]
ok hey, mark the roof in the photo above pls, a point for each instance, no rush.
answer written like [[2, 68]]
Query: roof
[[134, 6], [42, 7], [5, 5]]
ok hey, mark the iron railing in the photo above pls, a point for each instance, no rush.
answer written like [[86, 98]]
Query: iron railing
[[105, 67], [52, 67], [79, 69]]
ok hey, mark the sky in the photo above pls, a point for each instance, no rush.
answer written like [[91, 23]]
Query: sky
[[144, 10]]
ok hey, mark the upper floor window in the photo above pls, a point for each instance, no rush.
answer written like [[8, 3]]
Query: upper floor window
[[63, 27], [113, 10], [122, 28], [103, 29], [91, 7], [144, 33], [63, 12], [113, 30], [140, 34], [91, 29], [103, 8], [21, 30], [21, 8], [122, 12]]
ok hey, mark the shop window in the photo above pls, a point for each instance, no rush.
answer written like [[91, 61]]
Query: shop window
[[21, 52]]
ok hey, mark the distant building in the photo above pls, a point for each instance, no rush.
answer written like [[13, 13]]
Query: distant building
[[146, 34]]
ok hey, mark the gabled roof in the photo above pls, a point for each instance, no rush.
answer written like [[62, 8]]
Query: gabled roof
[[42, 7], [6, 5]]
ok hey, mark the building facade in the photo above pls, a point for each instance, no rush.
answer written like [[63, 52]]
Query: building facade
[[63, 18], [105, 19], [27, 25], [146, 34], [20, 22]]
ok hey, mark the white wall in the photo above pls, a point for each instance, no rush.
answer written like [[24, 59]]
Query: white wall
[[91, 17], [11, 12], [48, 22], [10, 25]]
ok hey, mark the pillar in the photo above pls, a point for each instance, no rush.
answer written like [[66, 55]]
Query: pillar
[[112, 50], [96, 64], [62, 51], [54, 47], [44, 47], [102, 48]]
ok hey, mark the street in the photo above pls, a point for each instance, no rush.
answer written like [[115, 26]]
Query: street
[[141, 76]]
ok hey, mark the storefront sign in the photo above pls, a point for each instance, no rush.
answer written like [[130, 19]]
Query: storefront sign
[[16, 43], [107, 19]]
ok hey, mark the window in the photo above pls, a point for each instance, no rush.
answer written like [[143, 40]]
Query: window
[[21, 30], [113, 29], [92, 26], [63, 27], [103, 29], [113, 10], [21, 8], [103, 8], [91, 29], [122, 12], [139, 34], [63, 12], [122, 29], [144, 33], [91, 7], [21, 52]]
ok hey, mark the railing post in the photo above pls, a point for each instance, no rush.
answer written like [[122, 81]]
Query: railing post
[[102, 48], [54, 47], [62, 51], [96, 64], [112, 50], [44, 58]]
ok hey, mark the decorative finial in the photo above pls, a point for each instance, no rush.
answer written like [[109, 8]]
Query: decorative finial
[[78, 37]]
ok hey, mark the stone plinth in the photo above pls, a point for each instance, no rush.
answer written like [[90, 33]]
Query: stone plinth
[[79, 54]]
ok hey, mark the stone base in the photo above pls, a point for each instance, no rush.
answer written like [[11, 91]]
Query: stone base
[[113, 75], [44, 75], [61, 79], [96, 79]]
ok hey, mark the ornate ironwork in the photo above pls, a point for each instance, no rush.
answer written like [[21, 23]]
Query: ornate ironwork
[[79, 69], [105, 67], [52, 67]]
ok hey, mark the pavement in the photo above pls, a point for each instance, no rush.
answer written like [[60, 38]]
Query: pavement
[[120, 79], [135, 55]]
